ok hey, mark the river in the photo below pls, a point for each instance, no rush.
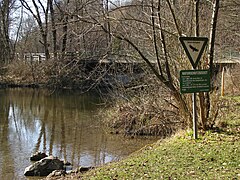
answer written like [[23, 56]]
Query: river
[[63, 124]]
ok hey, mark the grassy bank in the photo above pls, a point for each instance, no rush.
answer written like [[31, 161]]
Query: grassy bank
[[215, 155]]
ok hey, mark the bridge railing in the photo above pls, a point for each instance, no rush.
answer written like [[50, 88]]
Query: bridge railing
[[118, 57]]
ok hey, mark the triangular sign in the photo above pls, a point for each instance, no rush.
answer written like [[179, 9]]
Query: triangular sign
[[194, 47]]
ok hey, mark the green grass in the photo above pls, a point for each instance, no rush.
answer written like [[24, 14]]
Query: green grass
[[215, 155], [232, 115]]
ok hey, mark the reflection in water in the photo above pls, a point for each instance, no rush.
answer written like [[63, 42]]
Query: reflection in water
[[61, 124], [4, 140]]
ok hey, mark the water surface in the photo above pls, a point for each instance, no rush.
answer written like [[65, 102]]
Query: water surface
[[60, 124]]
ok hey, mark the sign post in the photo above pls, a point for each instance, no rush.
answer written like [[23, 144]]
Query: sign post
[[189, 83], [194, 102]]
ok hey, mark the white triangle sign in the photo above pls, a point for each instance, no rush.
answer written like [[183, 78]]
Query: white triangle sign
[[194, 47]]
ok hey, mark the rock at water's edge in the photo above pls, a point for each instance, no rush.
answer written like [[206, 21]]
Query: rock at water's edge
[[44, 167]]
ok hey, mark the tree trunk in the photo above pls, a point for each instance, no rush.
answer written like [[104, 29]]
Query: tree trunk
[[211, 54], [65, 31], [54, 31], [213, 35], [6, 49]]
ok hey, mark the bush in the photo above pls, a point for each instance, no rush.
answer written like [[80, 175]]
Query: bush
[[143, 110]]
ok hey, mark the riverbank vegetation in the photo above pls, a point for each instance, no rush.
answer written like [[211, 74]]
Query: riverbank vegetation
[[147, 109], [215, 155]]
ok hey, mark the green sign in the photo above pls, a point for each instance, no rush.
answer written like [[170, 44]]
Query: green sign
[[192, 81]]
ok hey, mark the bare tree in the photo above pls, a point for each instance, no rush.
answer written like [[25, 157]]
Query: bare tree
[[54, 30], [40, 12], [152, 29], [28, 40]]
